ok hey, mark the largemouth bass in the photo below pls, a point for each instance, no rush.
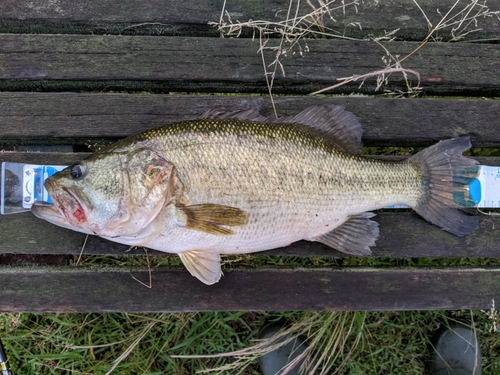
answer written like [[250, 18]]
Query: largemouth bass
[[236, 182]]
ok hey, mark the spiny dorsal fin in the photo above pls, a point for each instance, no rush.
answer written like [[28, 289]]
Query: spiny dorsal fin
[[354, 237], [204, 265], [239, 114], [209, 218], [340, 126]]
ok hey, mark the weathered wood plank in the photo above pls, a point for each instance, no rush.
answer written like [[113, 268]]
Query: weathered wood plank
[[79, 62], [180, 17], [70, 118], [105, 290], [402, 235]]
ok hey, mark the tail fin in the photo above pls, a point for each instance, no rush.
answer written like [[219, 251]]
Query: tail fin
[[446, 174]]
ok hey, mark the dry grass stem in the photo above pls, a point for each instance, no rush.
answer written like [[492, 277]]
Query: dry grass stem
[[137, 25], [129, 350], [494, 317], [291, 28], [150, 285], [295, 29], [81, 251], [329, 336], [380, 74], [291, 31], [458, 22], [489, 213]]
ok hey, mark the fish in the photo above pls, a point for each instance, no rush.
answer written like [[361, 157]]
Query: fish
[[235, 182]]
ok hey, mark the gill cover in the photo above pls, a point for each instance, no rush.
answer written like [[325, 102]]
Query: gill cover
[[149, 183], [111, 194]]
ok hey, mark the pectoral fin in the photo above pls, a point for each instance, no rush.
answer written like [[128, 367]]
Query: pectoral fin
[[203, 265], [209, 218], [353, 237]]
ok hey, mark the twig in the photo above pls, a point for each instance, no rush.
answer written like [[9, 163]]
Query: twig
[[488, 213], [221, 19], [150, 285], [355, 78], [126, 353], [145, 24], [81, 251]]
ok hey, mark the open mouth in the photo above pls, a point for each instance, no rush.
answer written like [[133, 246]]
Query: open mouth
[[67, 207], [71, 207]]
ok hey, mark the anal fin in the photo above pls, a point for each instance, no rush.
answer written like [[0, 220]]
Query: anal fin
[[202, 264], [354, 237], [209, 218]]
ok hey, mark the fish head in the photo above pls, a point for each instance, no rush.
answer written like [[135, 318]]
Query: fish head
[[110, 194]]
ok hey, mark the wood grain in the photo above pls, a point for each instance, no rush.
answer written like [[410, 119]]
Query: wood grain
[[171, 17], [71, 118], [63, 289], [193, 64]]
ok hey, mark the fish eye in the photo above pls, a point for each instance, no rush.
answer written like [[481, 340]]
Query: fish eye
[[77, 171]]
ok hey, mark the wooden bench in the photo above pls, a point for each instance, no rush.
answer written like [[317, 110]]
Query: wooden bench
[[78, 75]]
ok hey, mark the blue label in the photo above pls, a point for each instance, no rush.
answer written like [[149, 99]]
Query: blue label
[[41, 174], [475, 191]]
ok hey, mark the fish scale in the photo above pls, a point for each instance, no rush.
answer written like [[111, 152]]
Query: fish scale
[[234, 185], [224, 164]]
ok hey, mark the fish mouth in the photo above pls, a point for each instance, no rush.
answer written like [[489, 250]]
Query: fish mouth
[[50, 213], [66, 211]]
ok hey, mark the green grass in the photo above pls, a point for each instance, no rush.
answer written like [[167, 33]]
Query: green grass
[[350, 342], [253, 261], [89, 343]]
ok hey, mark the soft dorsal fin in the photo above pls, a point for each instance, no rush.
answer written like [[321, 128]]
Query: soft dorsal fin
[[339, 125], [335, 121]]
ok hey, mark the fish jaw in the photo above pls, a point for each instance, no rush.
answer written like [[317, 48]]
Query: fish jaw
[[51, 213], [67, 211]]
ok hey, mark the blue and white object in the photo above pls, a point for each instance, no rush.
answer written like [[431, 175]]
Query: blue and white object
[[23, 184], [33, 185], [484, 190]]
